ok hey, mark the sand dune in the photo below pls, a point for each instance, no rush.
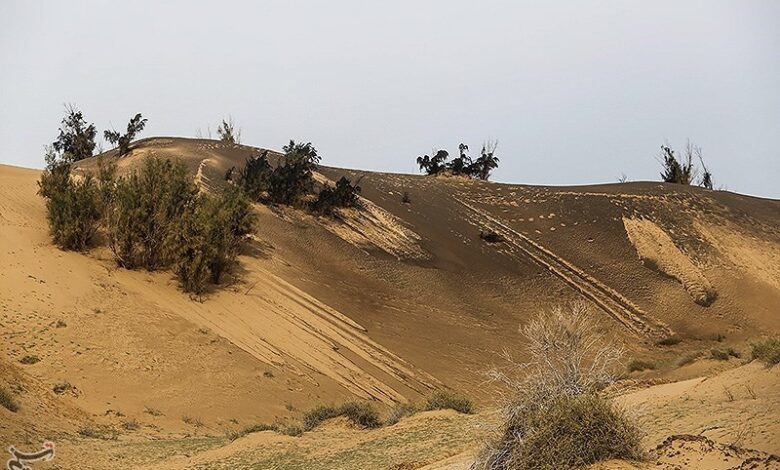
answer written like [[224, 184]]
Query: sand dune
[[385, 304]]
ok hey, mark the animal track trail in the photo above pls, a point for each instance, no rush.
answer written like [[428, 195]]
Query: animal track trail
[[609, 300]]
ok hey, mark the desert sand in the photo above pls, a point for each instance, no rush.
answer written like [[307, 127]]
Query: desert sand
[[392, 302]]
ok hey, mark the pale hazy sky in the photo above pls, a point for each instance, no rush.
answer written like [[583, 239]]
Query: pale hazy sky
[[576, 92]]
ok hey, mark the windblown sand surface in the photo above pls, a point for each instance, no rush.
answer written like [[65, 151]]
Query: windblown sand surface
[[386, 304]]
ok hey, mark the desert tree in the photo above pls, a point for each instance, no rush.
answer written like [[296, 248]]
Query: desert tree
[[435, 164], [123, 141], [486, 163], [72, 204], [676, 169], [293, 178], [145, 205], [76, 140], [462, 164], [706, 175], [255, 176], [228, 133]]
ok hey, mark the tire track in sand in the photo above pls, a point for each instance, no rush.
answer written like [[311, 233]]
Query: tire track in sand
[[609, 300]]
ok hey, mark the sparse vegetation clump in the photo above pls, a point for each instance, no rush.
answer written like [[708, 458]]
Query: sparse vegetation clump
[[228, 133], [344, 194], [293, 179], [554, 417], [682, 169], [72, 208], [291, 183], [7, 401], [30, 359], [463, 165], [77, 138], [362, 414], [638, 365], [153, 218], [401, 410], [491, 236], [444, 400], [767, 350], [689, 358], [669, 341], [723, 354], [123, 141]]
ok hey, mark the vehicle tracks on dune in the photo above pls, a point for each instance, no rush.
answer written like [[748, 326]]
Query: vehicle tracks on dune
[[609, 300]]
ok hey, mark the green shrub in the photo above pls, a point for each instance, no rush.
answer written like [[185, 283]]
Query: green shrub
[[639, 365], [344, 194], [227, 132], [669, 341], [146, 205], [767, 350], [292, 179], [723, 354], [444, 400], [72, 206], [206, 239], [463, 164], [77, 138], [255, 177], [399, 411], [7, 401], [572, 432], [123, 141]]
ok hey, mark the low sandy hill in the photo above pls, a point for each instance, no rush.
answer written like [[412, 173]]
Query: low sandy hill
[[388, 303]]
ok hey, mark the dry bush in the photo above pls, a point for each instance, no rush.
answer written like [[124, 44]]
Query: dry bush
[[638, 365], [362, 414], [554, 417], [444, 400], [7, 401], [767, 350], [401, 410]]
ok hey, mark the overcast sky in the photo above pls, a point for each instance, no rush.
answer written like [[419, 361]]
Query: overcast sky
[[575, 92]]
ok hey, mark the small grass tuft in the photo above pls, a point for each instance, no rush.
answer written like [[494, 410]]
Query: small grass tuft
[[767, 350], [444, 400], [638, 365], [152, 411], [29, 360], [723, 354], [292, 430], [315, 416], [62, 387], [7, 401], [399, 411], [360, 413], [669, 341], [104, 432], [131, 425], [689, 358]]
